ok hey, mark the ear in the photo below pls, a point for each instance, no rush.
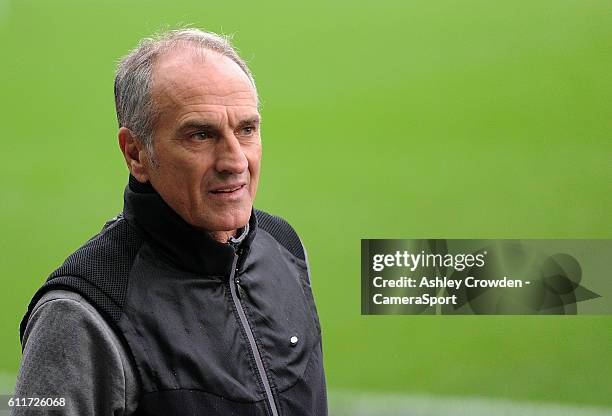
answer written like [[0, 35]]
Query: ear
[[135, 154]]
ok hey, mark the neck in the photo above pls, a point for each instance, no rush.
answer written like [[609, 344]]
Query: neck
[[186, 246], [222, 236]]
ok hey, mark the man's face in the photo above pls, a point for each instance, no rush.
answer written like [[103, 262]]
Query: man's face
[[206, 144]]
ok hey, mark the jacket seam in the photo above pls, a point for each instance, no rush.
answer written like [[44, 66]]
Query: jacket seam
[[308, 365], [284, 248], [260, 347], [203, 391], [267, 366]]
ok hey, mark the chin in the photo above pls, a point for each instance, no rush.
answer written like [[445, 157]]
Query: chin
[[227, 223]]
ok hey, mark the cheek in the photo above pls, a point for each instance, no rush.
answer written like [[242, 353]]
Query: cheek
[[254, 158], [182, 172], [253, 155], [190, 165]]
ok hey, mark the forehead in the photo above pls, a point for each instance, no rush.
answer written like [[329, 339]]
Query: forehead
[[200, 81]]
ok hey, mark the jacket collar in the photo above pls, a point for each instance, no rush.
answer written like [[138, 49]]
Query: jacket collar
[[184, 245]]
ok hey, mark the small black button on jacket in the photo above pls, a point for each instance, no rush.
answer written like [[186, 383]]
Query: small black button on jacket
[[213, 329]]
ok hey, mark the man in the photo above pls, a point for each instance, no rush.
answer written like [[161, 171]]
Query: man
[[190, 302]]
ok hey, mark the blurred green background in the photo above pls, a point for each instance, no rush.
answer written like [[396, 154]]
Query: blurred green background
[[385, 119]]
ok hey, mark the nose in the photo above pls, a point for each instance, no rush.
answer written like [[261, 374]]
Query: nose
[[230, 157]]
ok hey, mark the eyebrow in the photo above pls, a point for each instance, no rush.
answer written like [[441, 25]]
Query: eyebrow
[[196, 125], [199, 125], [250, 120]]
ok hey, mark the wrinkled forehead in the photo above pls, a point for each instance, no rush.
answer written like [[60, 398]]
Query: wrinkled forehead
[[189, 77]]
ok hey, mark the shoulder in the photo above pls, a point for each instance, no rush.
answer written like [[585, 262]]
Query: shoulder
[[63, 298], [67, 304], [63, 316], [282, 232], [69, 349]]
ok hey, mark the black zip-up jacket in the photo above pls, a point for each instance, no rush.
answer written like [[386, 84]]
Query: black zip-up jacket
[[212, 329]]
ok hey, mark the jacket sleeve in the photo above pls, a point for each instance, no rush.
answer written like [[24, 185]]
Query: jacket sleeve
[[70, 352]]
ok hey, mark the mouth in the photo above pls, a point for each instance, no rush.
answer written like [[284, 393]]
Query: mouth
[[228, 189]]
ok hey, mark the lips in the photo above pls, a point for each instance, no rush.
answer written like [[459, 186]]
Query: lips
[[227, 189]]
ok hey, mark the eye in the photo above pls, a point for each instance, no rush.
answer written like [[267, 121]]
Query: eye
[[247, 130], [201, 135]]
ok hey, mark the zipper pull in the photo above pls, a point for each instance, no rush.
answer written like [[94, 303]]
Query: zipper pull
[[235, 272], [238, 287]]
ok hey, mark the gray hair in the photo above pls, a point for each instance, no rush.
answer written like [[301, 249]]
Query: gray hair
[[133, 79]]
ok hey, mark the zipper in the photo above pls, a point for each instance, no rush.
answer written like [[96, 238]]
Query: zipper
[[233, 283]]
